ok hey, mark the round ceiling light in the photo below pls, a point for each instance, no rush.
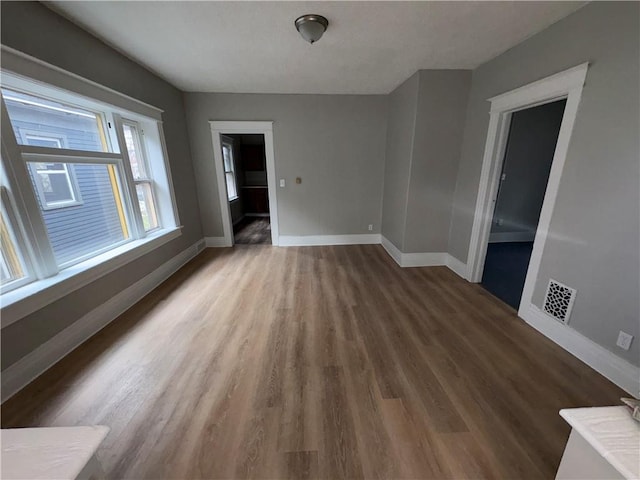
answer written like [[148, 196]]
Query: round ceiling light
[[311, 27]]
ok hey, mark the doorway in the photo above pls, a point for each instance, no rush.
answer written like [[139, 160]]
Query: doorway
[[245, 173], [245, 169], [568, 85], [530, 146]]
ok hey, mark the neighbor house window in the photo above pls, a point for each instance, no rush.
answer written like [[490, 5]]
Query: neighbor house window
[[91, 176], [229, 170], [55, 184]]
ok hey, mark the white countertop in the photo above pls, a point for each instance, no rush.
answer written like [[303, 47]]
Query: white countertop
[[46, 453], [612, 433]]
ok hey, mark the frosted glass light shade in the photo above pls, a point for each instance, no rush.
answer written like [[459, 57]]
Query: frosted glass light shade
[[311, 27]]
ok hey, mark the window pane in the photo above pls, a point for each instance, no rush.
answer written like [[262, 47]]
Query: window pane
[[90, 226], [231, 186], [147, 206], [45, 123], [228, 158], [134, 148], [11, 268]]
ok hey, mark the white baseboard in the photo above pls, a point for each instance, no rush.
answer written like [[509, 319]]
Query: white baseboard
[[616, 369], [426, 259], [393, 251], [215, 242], [316, 240], [25, 370], [504, 237], [457, 266]]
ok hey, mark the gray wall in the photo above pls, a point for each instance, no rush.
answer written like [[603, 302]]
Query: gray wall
[[533, 135], [403, 102], [335, 143], [33, 29], [424, 135], [593, 243], [442, 104]]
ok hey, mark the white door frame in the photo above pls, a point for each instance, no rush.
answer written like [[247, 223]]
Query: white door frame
[[567, 84], [240, 127]]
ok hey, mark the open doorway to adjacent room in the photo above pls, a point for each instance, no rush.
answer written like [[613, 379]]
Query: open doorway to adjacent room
[[531, 143], [245, 170], [245, 173]]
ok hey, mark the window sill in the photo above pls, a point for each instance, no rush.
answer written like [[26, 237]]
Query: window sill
[[25, 300]]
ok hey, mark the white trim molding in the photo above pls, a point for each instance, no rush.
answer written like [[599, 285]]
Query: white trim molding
[[21, 302], [567, 84], [32, 67], [265, 128], [458, 267], [317, 240], [25, 370], [393, 251], [424, 259], [216, 242], [616, 369]]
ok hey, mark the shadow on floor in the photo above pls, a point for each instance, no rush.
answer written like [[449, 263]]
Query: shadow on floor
[[505, 270], [253, 231]]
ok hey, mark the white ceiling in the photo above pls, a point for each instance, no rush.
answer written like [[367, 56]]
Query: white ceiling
[[253, 47]]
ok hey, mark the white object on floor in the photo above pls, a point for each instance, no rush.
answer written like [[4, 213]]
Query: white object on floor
[[604, 444], [46, 453]]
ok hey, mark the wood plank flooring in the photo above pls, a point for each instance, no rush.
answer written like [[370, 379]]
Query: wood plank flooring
[[317, 362], [253, 231]]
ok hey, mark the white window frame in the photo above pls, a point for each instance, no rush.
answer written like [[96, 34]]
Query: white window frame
[[149, 179], [229, 142], [50, 281]]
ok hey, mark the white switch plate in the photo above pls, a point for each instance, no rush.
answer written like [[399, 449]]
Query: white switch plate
[[282, 182], [370, 227], [624, 340]]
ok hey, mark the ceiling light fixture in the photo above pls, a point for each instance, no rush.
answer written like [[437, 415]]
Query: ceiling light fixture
[[311, 27]]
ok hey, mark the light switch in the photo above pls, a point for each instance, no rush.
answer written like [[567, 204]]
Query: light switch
[[282, 183]]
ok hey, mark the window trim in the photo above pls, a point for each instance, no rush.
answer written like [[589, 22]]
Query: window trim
[[26, 299], [53, 282]]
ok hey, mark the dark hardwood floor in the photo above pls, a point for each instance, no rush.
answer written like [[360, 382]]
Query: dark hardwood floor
[[253, 231], [317, 362]]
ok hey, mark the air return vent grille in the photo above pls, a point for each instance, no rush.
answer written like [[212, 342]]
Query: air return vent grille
[[558, 301]]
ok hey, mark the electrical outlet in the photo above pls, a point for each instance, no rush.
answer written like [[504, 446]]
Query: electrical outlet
[[624, 340], [370, 227]]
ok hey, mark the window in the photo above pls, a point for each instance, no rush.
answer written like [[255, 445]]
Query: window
[[41, 122], [41, 141], [91, 177], [141, 177], [229, 170]]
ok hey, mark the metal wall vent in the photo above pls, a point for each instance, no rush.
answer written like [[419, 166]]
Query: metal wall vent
[[558, 301]]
